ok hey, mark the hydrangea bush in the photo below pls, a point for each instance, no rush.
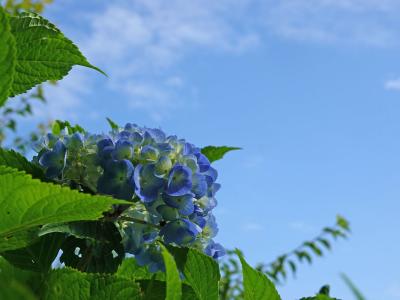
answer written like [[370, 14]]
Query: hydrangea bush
[[97, 197], [171, 183]]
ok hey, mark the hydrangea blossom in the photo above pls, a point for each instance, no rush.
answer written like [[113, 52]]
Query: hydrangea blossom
[[171, 183]]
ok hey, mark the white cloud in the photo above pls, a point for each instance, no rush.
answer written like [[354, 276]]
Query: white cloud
[[252, 226], [302, 227], [393, 84], [367, 22], [140, 43]]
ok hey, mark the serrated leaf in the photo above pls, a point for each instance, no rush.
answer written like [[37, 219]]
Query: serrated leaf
[[214, 153], [10, 158], [71, 284], [7, 57], [201, 272], [27, 203], [113, 125], [257, 286], [37, 257], [43, 52], [173, 281]]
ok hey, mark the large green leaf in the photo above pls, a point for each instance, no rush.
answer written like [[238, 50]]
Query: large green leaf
[[27, 203], [13, 159], [174, 285], [71, 284], [7, 57], [256, 285], [201, 272], [216, 153], [43, 52]]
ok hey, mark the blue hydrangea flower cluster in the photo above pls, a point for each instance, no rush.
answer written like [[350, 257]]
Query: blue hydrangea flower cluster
[[170, 182]]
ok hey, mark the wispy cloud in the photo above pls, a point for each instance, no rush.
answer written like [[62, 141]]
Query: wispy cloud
[[252, 226], [141, 43], [393, 84], [368, 22]]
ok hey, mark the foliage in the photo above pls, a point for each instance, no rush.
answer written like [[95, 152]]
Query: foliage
[[21, 106], [69, 198]]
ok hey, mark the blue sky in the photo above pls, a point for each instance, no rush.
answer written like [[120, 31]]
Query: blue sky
[[310, 89]]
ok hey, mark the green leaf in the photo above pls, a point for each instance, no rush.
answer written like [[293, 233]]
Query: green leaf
[[174, 285], [58, 126], [343, 223], [10, 158], [39, 256], [93, 247], [71, 284], [27, 203], [113, 125], [201, 271], [257, 286], [156, 290], [357, 294], [216, 153], [7, 57], [131, 270], [17, 284], [43, 52]]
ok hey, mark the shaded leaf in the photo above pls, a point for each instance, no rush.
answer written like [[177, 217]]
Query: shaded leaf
[[113, 125], [174, 285], [37, 257]]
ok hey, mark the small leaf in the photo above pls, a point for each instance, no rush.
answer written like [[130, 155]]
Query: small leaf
[[301, 255], [174, 285], [216, 153], [342, 223], [113, 125], [256, 285], [314, 248], [325, 242]]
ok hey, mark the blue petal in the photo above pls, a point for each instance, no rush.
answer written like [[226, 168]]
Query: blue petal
[[123, 150], [179, 181], [179, 232], [199, 185], [215, 250], [211, 175], [183, 203], [203, 162], [149, 153], [147, 184]]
